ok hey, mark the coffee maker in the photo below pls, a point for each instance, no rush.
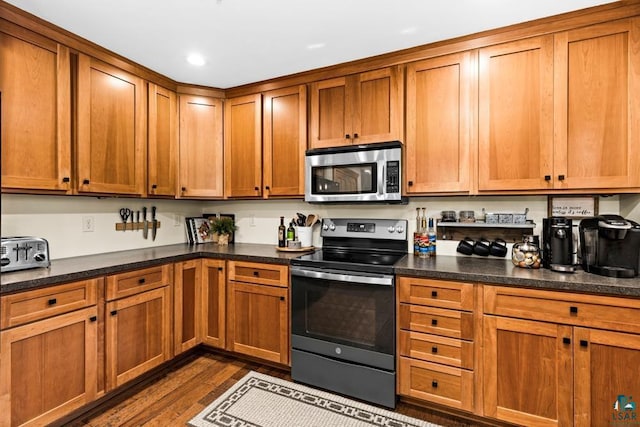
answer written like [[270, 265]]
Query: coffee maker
[[610, 246], [557, 251]]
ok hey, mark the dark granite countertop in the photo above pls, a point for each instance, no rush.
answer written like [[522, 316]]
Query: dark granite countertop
[[503, 272], [85, 267], [471, 269]]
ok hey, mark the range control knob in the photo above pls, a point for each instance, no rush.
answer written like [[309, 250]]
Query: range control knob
[[399, 229], [325, 227], [39, 257], [391, 229], [332, 226]]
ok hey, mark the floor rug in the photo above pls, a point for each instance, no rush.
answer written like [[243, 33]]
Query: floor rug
[[259, 400]]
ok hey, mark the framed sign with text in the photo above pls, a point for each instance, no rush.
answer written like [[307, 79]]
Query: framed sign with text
[[573, 206]]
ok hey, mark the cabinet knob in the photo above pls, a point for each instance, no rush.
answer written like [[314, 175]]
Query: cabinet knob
[[434, 349], [256, 188], [566, 340], [410, 183], [66, 179], [547, 177], [93, 318], [561, 177], [434, 322], [355, 135], [141, 281], [184, 189], [154, 186], [85, 182], [434, 384], [256, 273], [52, 301], [584, 343], [281, 298], [220, 268], [347, 136], [114, 312], [573, 310], [267, 188], [434, 294]]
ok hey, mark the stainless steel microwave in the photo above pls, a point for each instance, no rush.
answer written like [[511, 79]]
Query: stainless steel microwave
[[356, 173]]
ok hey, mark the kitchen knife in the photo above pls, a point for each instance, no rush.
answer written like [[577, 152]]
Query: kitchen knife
[[154, 223], [137, 221], [145, 231]]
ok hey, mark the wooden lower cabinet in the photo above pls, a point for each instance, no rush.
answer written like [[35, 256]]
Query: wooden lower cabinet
[[258, 314], [214, 305], [48, 368], [137, 335], [187, 305]]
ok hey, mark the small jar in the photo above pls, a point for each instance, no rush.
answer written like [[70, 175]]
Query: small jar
[[526, 254], [448, 216], [467, 216]]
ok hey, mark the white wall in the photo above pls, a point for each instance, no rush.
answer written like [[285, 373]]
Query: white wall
[[59, 218]]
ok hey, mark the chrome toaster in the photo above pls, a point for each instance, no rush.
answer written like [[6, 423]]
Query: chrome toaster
[[20, 253]]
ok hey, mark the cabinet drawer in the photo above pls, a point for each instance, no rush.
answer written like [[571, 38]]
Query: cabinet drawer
[[133, 282], [436, 383], [432, 348], [437, 321], [267, 274], [613, 313], [29, 306], [436, 293]]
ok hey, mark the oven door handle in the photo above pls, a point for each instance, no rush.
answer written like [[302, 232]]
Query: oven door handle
[[343, 276]]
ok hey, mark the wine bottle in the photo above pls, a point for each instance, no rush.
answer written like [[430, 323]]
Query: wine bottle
[[282, 234]]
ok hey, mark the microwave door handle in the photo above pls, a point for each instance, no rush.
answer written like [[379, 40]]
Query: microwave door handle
[[343, 277]]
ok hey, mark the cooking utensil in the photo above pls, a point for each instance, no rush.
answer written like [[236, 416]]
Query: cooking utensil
[[132, 218], [124, 215], [311, 219], [154, 223], [302, 219], [145, 230], [137, 218]]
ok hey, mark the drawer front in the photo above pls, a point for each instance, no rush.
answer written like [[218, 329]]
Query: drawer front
[[612, 313], [432, 348], [252, 272], [436, 293], [25, 307], [133, 282], [437, 321], [436, 383]]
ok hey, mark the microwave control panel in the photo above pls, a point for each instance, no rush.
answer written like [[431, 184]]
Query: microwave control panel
[[393, 177]]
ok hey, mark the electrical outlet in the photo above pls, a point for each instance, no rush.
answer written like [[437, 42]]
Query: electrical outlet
[[88, 224], [253, 221]]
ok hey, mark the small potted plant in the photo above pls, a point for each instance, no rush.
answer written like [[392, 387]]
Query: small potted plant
[[223, 226]]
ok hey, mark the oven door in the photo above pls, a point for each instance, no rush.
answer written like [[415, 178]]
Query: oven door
[[344, 315]]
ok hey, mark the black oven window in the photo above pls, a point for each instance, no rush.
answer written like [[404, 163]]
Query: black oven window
[[345, 179]]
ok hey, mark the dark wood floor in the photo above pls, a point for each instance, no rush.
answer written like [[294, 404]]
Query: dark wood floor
[[175, 398]]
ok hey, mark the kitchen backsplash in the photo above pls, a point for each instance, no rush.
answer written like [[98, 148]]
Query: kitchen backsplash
[[60, 219]]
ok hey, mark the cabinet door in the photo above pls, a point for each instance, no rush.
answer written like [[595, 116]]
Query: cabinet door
[[606, 377], [35, 84], [112, 129], [528, 372], [284, 141], [515, 128], [377, 106], [330, 121], [439, 120], [163, 142], [48, 368], [258, 321], [213, 299], [243, 146], [200, 145], [187, 297], [137, 335], [597, 95]]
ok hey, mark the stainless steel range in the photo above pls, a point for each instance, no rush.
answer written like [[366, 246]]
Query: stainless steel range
[[343, 309]]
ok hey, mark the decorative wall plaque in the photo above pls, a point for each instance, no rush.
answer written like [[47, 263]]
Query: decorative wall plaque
[[573, 206]]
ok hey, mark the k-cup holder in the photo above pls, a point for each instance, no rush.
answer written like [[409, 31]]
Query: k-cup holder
[[481, 247], [465, 246], [498, 248]]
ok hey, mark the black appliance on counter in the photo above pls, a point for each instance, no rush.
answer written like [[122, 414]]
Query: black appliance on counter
[[610, 246], [343, 309], [557, 238]]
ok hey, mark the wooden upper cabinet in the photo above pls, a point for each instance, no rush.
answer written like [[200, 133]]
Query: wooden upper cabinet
[[515, 123], [597, 106], [163, 142], [35, 83], [357, 109], [243, 146], [111, 128], [439, 120], [284, 141], [200, 147]]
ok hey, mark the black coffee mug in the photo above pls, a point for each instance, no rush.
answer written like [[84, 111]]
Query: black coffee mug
[[498, 248], [465, 246], [481, 247]]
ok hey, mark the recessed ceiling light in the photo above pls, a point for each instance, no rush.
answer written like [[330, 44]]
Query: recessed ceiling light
[[195, 59], [316, 46]]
